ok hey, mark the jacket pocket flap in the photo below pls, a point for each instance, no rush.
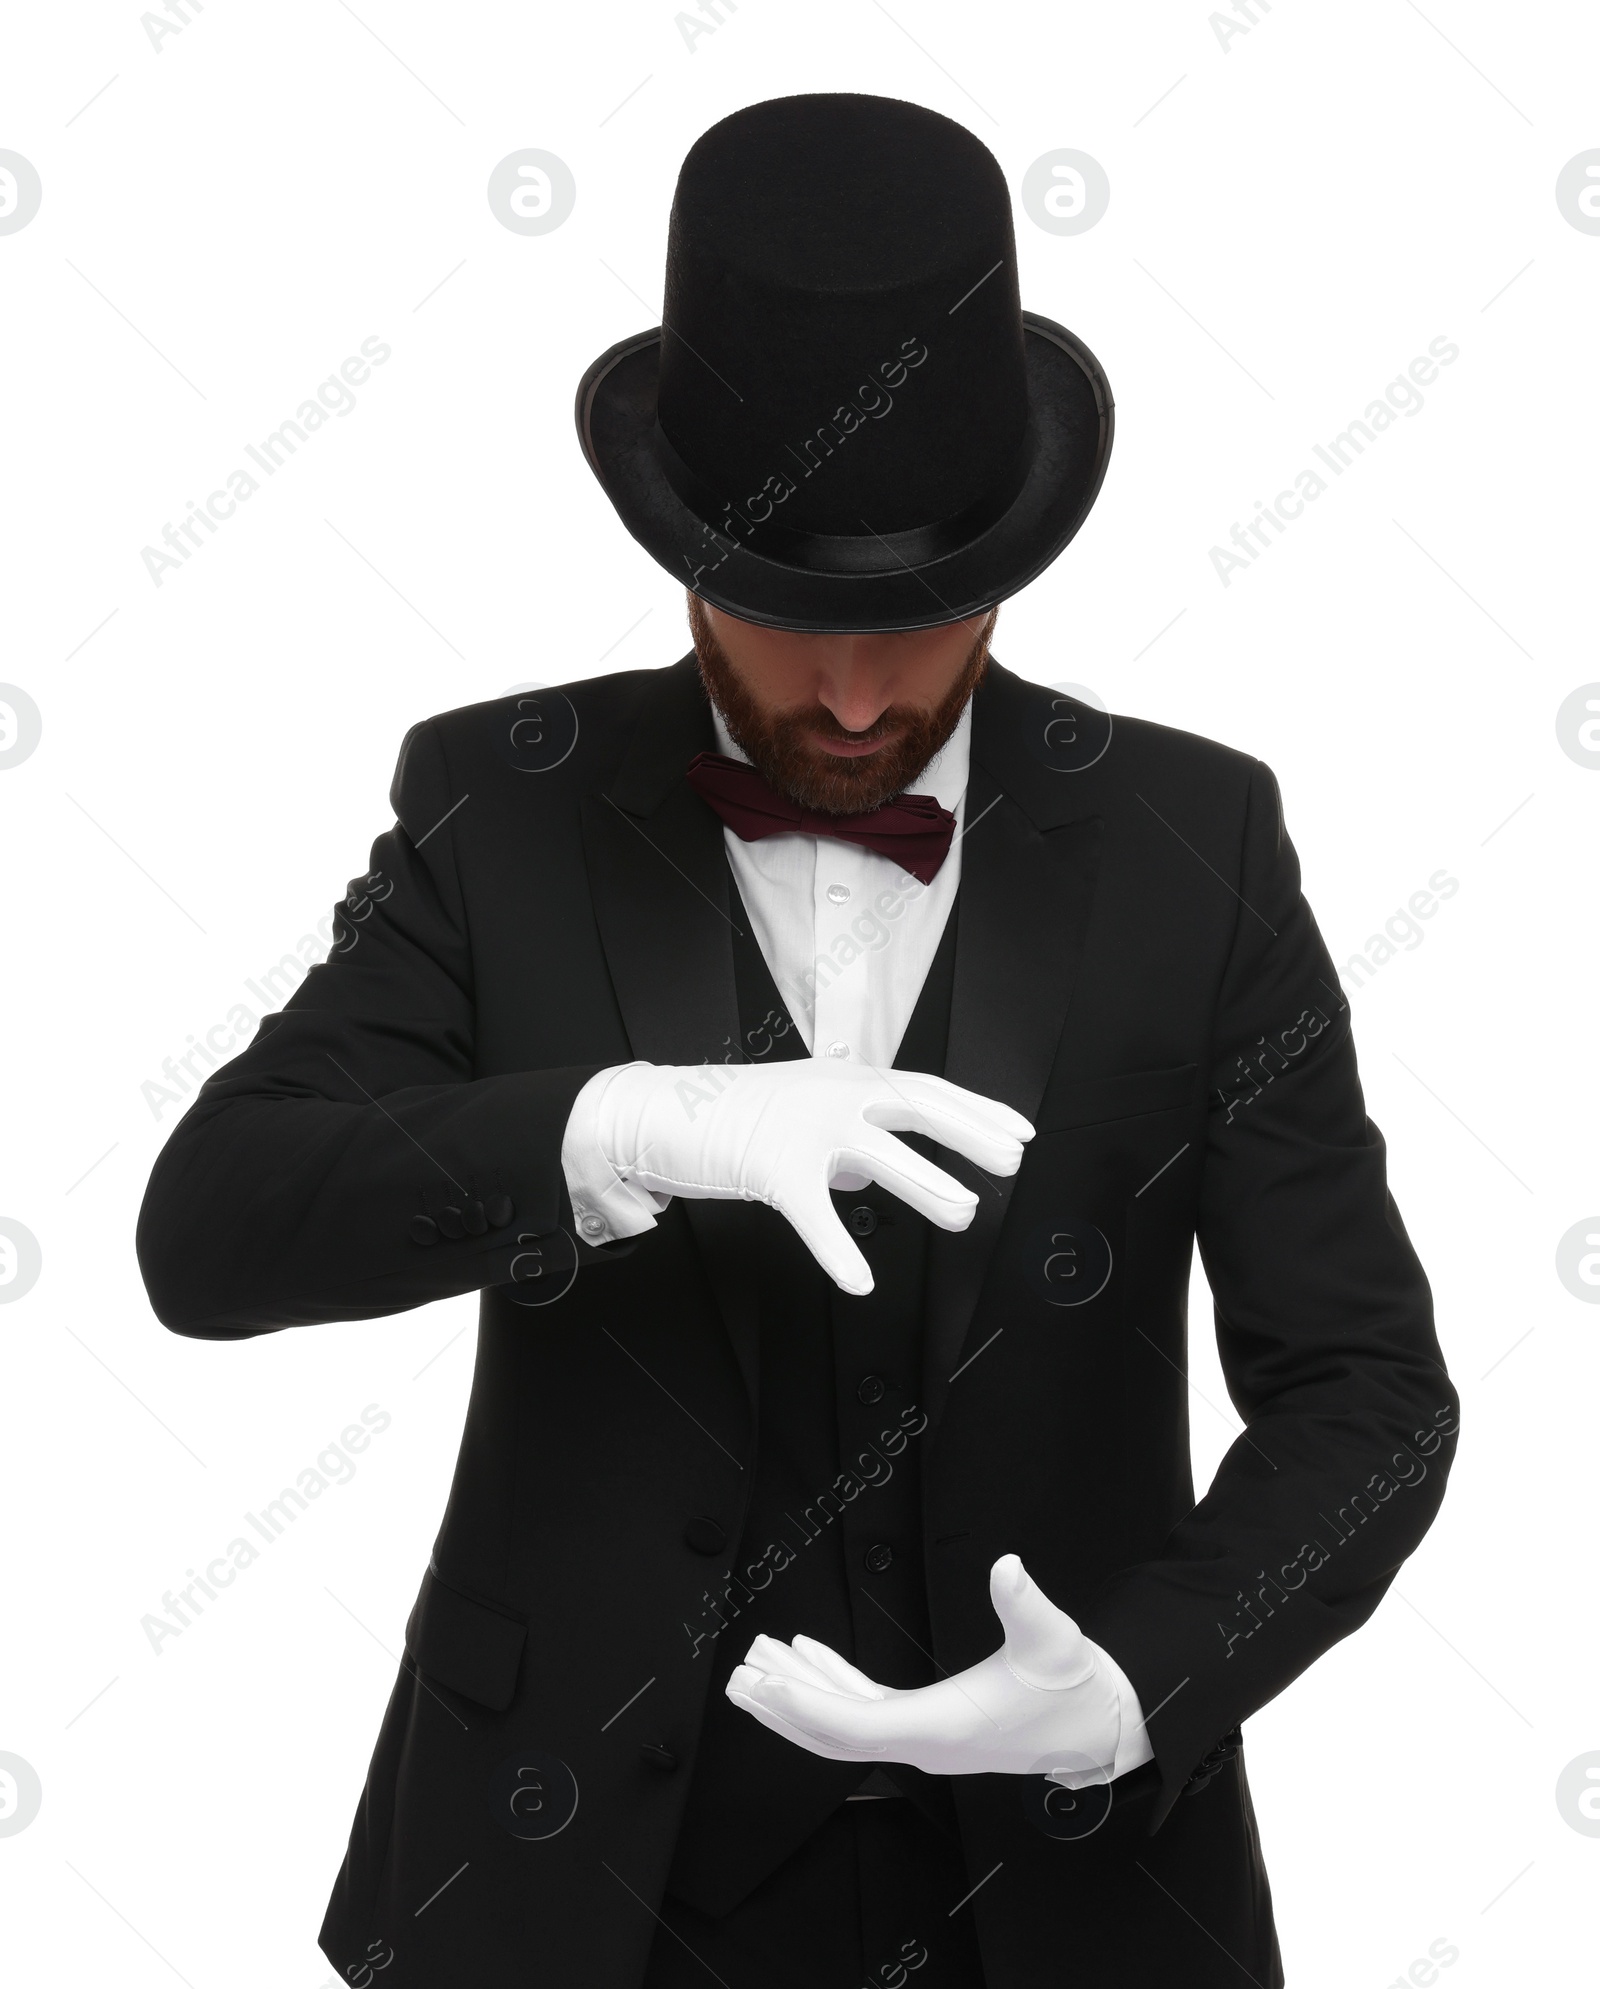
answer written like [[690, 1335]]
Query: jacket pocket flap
[[468, 1645], [1090, 1101]]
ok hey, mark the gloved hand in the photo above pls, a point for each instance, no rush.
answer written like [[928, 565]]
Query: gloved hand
[[785, 1133], [1048, 1702]]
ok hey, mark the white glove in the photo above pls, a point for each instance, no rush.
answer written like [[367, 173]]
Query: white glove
[[1048, 1702], [785, 1133]]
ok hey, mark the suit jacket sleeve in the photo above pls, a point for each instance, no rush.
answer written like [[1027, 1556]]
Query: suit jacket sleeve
[[1325, 1326], [287, 1192]]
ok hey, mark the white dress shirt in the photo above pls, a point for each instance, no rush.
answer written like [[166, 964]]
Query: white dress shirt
[[848, 937]]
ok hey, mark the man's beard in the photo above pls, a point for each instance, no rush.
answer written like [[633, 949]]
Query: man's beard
[[831, 783]]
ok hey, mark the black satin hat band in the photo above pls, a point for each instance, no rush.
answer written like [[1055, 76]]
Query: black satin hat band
[[866, 552]]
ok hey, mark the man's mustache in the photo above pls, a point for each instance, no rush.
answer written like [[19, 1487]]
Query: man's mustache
[[820, 720]]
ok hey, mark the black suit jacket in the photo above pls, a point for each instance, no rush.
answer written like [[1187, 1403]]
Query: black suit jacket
[[1138, 973]]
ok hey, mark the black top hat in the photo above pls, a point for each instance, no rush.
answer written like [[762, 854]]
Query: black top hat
[[847, 420]]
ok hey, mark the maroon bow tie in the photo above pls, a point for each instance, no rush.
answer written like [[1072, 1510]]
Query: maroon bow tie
[[914, 830]]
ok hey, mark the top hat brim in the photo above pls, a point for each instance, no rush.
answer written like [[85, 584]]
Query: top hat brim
[[1071, 406]]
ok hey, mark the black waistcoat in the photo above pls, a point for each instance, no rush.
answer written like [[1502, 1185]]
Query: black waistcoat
[[832, 1546]]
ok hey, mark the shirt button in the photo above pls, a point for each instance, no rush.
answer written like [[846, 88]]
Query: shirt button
[[838, 1049], [592, 1225], [879, 1557], [839, 894], [870, 1389], [863, 1220]]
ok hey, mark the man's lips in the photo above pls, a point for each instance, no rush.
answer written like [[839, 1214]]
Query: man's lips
[[852, 749]]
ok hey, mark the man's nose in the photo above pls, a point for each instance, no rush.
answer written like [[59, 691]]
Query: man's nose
[[853, 684]]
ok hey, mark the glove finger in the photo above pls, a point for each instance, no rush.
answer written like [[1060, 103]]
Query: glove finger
[[839, 1672], [735, 1690], [990, 1134], [926, 1188], [775, 1660], [1043, 1646], [808, 1211], [994, 1153], [856, 1726], [938, 1094]]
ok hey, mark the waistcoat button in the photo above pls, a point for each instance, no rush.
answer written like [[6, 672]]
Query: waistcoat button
[[704, 1535]]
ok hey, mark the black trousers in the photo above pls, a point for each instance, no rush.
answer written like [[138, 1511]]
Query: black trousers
[[872, 1900]]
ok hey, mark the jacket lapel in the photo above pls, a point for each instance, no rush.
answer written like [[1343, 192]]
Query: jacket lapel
[[658, 879], [1029, 857]]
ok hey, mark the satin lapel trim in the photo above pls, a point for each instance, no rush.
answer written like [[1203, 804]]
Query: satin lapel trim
[[1025, 899], [658, 879]]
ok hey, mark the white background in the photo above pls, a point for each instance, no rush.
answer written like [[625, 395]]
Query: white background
[[1292, 220]]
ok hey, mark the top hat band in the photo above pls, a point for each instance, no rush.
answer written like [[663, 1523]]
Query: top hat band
[[866, 552]]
